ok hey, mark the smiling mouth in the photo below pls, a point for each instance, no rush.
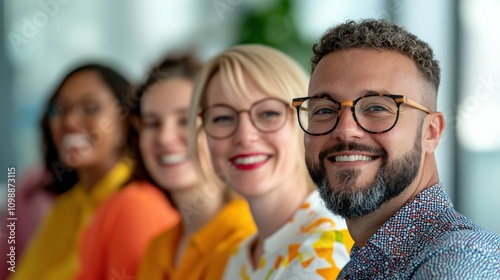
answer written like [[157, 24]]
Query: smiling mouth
[[173, 158], [76, 141], [351, 158], [250, 160]]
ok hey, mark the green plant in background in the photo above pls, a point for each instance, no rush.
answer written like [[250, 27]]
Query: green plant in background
[[276, 27]]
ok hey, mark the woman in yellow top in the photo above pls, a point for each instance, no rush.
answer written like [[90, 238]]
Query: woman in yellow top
[[244, 95], [211, 220], [84, 132]]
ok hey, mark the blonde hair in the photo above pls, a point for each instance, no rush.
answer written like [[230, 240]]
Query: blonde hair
[[274, 72]]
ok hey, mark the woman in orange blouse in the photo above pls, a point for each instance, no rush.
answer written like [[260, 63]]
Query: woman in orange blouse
[[211, 219]]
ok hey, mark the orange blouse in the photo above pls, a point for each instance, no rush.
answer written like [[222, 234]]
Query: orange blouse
[[114, 244]]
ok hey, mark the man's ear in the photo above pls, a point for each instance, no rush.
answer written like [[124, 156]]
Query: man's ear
[[433, 130]]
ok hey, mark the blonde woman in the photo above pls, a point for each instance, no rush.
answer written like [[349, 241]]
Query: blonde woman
[[243, 97]]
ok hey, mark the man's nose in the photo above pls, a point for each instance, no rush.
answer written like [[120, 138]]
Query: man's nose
[[347, 127]]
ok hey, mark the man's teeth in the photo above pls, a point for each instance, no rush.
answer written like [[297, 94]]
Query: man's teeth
[[75, 141], [250, 160], [352, 158], [173, 158]]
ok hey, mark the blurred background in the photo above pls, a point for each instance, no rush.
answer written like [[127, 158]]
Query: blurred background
[[42, 40]]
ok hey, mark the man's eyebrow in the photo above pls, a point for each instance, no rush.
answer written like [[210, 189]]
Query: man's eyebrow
[[323, 94], [375, 91], [329, 94]]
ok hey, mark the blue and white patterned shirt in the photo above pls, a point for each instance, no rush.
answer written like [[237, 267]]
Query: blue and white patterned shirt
[[427, 239]]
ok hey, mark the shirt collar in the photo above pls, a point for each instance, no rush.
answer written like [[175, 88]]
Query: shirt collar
[[395, 238], [233, 216], [110, 183]]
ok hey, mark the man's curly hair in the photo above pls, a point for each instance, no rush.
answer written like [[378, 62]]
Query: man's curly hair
[[379, 35]]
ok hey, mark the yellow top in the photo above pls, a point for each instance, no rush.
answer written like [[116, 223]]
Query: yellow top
[[233, 224], [53, 252]]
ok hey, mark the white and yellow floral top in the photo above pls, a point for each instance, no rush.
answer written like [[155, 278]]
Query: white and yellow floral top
[[314, 244]]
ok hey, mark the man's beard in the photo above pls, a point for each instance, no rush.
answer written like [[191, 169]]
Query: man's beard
[[351, 201]]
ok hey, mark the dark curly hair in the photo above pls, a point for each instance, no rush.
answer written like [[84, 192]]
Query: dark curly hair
[[381, 35]]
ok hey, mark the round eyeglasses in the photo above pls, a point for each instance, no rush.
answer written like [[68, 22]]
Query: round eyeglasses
[[374, 113], [267, 115], [83, 111]]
